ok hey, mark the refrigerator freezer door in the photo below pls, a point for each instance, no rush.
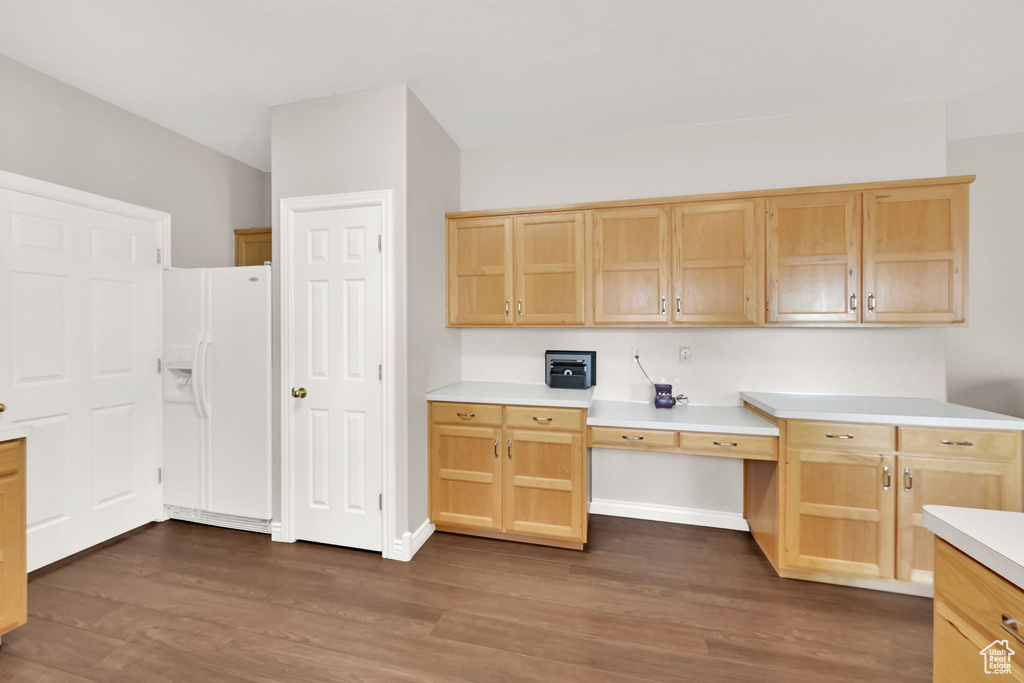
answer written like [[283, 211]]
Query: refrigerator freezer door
[[236, 390]]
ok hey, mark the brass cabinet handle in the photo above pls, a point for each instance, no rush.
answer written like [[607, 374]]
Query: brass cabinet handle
[[908, 479], [633, 438], [830, 435], [947, 442], [2, 407], [719, 443], [520, 307], [543, 419], [663, 302], [507, 304], [886, 478], [466, 414], [679, 305], [853, 302], [495, 448], [871, 302], [299, 393], [1012, 626], [510, 449]]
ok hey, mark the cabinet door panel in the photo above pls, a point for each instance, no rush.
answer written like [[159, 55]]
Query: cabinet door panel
[[549, 268], [631, 265], [480, 271], [945, 481], [543, 481], [813, 257], [840, 512], [915, 254], [13, 576], [465, 476], [717, 248]]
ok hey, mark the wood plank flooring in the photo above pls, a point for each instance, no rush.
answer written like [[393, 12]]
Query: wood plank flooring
[[646, 601]]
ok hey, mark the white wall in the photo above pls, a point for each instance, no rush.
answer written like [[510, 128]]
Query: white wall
[[434, 351], [51, 131], [984, 361], [883, 143]]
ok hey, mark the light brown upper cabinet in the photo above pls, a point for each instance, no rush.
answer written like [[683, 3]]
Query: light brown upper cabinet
[[252, 246], [813, 258], [632, 265], [480, 271], [550, 268], [915, 254], [718, 251]]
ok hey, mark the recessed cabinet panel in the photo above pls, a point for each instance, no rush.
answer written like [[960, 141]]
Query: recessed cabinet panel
[[480, 271], [549, 269], [465, 476], [915, 255], [543, 476], [718, 253], [813, 258], [631, 265]]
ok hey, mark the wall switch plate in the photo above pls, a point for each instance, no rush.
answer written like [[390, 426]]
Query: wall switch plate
[[634, 352], [684, 355]]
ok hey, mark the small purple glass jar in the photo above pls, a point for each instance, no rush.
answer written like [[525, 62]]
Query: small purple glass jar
[[663, 397]]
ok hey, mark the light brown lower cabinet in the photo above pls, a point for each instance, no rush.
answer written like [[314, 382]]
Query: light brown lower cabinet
[[854, 494], [972, 604], [13, 577], [516, 472]]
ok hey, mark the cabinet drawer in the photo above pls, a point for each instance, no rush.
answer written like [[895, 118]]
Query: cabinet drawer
[[976, 592], [553, 418], [729, 445], [980, 443], [632, 439], [466, 413], [842, 435]]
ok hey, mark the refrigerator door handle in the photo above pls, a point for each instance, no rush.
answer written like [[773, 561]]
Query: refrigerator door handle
[[199, 390], [196, 352]]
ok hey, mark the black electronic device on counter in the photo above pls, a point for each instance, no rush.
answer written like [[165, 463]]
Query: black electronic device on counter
[[570, 369]]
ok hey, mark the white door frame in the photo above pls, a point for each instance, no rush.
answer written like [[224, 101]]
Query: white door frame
[[289, 208]]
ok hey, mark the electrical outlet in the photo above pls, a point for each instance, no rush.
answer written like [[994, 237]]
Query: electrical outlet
[[634, 353], [684, 355]]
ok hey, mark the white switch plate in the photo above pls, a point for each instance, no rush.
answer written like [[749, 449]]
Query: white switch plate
[[684, 355], [634, 351]]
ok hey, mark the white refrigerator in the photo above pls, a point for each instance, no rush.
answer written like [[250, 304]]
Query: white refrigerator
[[217, 393]]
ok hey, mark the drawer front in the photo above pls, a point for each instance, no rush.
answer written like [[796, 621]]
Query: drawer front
[[632, 439], [466, 413], [729, 445], [980, 443], [842, 435], [977, 593], [544, 418]]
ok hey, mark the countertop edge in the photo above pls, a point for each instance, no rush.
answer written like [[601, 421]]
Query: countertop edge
[[497, 400], [14, 433], [974, 548]]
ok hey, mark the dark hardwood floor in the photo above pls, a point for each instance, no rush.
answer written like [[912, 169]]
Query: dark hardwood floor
[[645, 601]]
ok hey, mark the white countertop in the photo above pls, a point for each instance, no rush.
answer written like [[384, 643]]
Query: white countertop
[[513, 394], [923, 412], [684, 418], [994, 538], [12, 432]]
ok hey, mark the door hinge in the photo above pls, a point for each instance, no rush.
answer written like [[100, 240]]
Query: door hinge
[[159, 365], [380, 372], [159, 475], [380, 243], [380, 501], [159, 255]]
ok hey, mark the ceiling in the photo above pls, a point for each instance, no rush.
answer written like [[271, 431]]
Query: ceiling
[[499, 72]]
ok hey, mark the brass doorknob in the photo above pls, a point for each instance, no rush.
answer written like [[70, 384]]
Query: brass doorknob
[[299, 393], [2, 407]]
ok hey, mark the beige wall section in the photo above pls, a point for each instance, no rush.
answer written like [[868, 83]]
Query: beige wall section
[[435, 352], [881, 143], [983, 361], [54, 132]]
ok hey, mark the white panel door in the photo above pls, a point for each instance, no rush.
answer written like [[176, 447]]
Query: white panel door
[[336, 347], [79, 341]]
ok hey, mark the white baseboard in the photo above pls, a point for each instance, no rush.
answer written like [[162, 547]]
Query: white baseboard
[[411, 541], [669, 513], [277, 532], [262, 526]]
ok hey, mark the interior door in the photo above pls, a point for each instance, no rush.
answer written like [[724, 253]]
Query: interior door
[[337, 348], [79, 343], [965, 482], [479, 271], [549, 268], [718, 249], [915, 255], [841, 509], [632, 264], [813, 256]]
